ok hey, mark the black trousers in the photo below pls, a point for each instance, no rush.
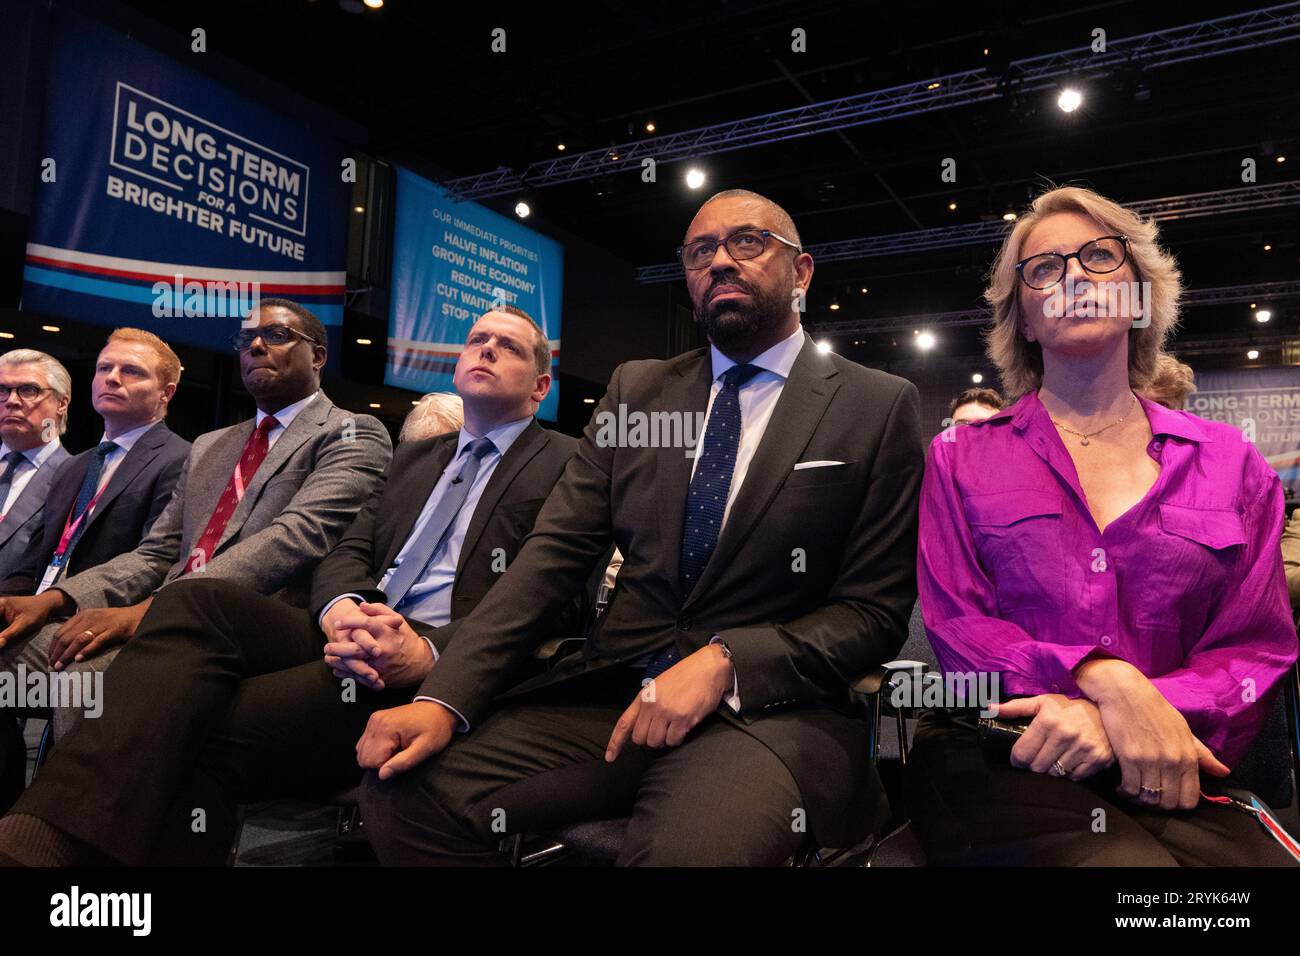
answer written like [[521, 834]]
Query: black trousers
[[721, 798], [970, 807], [221, 698]]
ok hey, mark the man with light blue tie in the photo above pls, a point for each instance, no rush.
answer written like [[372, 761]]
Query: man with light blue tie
[[236, 679]]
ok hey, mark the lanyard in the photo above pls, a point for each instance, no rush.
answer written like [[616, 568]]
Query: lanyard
[[70, 527], [1266, 820]]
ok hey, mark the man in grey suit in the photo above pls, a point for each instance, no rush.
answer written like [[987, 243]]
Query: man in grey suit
[[34, 393], [259, 503]]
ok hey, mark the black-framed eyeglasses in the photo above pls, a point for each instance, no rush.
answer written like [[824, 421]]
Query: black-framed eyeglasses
[[270, 334], [741, 245], [1098, 257], [27, 391]]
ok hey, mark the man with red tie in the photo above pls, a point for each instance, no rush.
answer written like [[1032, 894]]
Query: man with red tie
[[259, 503]]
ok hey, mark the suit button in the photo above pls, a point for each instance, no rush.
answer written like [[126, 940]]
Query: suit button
[[684, 624]]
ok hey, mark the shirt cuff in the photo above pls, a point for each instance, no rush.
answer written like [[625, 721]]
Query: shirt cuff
[[732, 698], [432, 650], [320, 620], [464, 724]]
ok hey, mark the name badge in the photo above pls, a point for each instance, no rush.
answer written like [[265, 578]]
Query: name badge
[[51, 575]]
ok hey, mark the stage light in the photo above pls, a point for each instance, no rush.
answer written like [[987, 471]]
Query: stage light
[[1252, 354], [977, 378], [1009, 216], [864, 290], [49, 328], [1069, 100], [823, 346], [358, 208], [1280, 159], [375, 405], [373, 4], [932, 86], [835, 305], [952, 207], [925, 341], [649, 127], [560, 147], [522, 210], [986, 51], [1263, 315], [363, 341], [694, 177], [1268, 247], [589, 401], [415, 401], [6, 335]]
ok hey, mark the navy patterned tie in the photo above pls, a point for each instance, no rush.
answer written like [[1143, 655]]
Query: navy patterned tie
[[706, 501], [12, 460], [89, 485]]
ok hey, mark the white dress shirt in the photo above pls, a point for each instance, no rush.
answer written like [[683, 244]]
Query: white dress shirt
[[285, 417], [33, 458], [125, 442]]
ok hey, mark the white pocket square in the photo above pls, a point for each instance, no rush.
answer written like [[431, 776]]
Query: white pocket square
[[816, 464]]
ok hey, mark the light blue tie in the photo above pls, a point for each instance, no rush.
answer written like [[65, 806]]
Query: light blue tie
[[421, 552]]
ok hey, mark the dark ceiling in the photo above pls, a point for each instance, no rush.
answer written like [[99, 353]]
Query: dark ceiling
[[421, 78]]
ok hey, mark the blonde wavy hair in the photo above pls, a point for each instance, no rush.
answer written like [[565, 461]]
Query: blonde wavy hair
[[1021, 361]]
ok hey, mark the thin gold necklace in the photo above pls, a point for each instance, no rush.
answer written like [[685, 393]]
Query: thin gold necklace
[[1083, 439]]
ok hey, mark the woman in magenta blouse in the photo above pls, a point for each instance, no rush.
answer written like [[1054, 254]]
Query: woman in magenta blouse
[[1115, 562]]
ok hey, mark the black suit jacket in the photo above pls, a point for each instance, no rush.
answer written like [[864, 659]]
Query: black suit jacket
[[140, 488], [812, 581], [504, 516]]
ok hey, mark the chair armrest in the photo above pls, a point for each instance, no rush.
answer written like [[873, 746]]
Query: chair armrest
[[874, 679]]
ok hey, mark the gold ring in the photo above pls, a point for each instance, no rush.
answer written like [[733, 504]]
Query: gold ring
[[88, 633]]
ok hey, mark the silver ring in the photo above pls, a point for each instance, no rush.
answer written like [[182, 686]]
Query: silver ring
[[1059, 770]]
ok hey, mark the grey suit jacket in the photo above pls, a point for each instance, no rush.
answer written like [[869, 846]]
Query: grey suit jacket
[[26, 519], [304, 495]]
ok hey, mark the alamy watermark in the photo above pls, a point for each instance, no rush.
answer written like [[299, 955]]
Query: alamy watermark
[[21, 688], [622, 428], [953, 689]]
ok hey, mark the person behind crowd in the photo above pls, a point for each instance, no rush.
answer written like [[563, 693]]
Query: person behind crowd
[[260, 503], [35, 390], [436, 413], [229, 687], [761, 576], [1172, 383], [1291, 558], [104, 500], [974, 405], [1114, 562]]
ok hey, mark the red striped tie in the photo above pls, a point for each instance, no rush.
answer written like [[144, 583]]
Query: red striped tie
[[254, 451]]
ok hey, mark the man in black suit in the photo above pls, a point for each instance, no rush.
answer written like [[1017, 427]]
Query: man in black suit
[[760, 577], [104, 500], [221, 673]]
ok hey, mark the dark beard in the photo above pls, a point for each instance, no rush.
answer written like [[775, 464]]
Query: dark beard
[[735, 326]]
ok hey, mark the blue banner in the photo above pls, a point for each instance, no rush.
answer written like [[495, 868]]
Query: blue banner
[[451, 261], [168, 203], [1265, 404]]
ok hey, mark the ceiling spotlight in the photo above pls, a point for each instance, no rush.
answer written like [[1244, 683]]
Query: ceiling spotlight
[[864, 290], [649, 127], [363, 342], [1280, 159], [523, 210], [415, 401], [1263, 315], [373, 4], [835, 305], [560, 147], [925, 341], [358, 208], [375, 405], [823, 346], [932, 86], [952, 207], [1009, 216], [1252, 354], [977, 378], [49, 328], [694, 177], [6, 335], [1069, 100], [1268, 247], [986, 51], [589, 401]]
